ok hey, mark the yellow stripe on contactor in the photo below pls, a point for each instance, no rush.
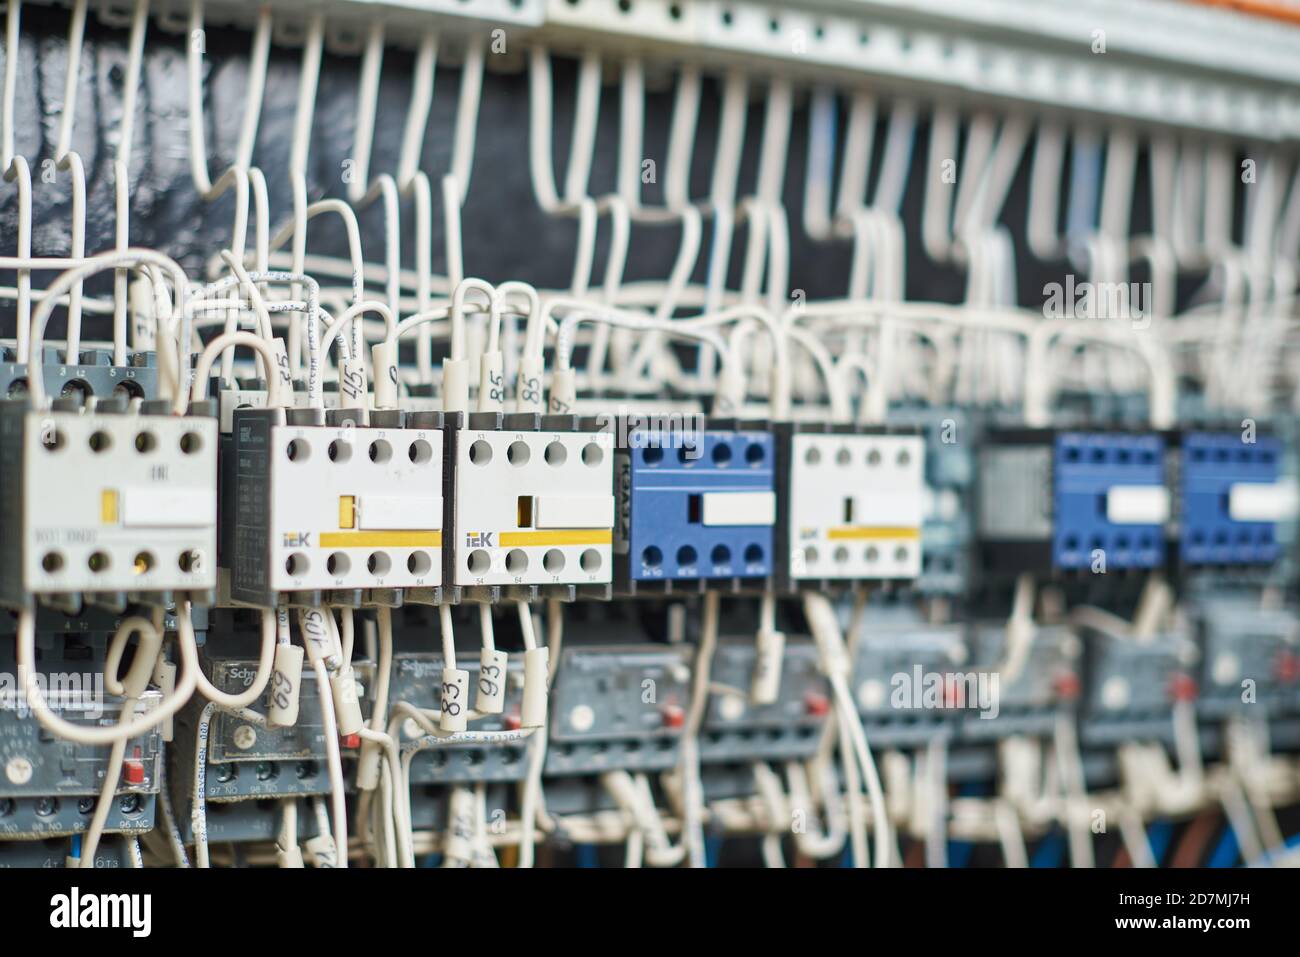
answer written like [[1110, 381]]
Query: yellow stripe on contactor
[[574, 536], [108, 507], [414, 539], [865, 532]]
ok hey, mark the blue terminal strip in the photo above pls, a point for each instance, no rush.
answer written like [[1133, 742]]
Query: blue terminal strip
[[1086, 466], [671, 536], [1212, 463]]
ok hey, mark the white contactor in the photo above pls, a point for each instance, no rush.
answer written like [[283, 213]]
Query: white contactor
[[101, 502], [856, 504], [333, 507], [533, 507]]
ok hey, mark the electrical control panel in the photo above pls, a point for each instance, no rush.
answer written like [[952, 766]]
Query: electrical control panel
[[694, 506], [799, 434]]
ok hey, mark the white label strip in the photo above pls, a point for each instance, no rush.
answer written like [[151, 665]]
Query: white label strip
[[168, 508], [392, 512], [573, 511], [738, 508], [1259, 502], [1137, 504]]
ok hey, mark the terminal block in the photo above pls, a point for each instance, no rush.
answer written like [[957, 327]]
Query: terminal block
[[98, 501], [431, 804], [851, 506], [1073, 501], [93, 375], [54, 853], [324, 504], [241, 822], [532, 505], [1231, 499], [696, 507]]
